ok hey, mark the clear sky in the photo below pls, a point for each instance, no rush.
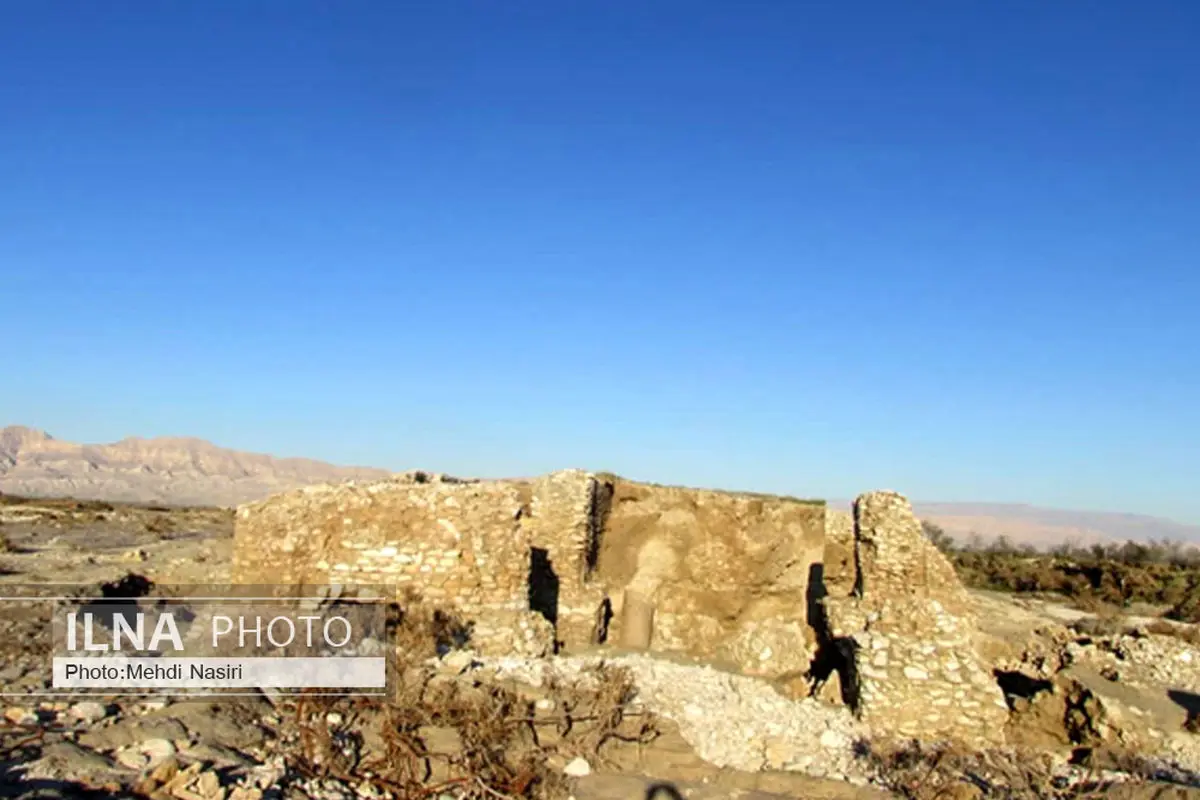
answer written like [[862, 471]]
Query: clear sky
[[816, 248]]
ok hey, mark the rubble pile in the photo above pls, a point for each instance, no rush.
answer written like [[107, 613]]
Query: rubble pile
[[731, 720]]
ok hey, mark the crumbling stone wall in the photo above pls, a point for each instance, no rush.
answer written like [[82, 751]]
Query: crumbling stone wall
[[839, 570], [909, 635], [767, 585], [458, 544], [564, 524], [727, 574]]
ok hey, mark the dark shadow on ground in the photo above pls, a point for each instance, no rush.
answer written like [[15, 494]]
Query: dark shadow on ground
[[663, 790], [1190, 703]]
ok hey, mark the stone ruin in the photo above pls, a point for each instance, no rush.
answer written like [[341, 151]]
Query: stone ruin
[[768, 586], [904, 631]]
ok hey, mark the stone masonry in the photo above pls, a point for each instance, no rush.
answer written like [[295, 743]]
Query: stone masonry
[[768, 586], [552, 557], [728, 573], [502, 554], [908, 634]]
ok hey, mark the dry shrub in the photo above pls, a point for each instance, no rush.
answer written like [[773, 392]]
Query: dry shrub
[[1188, 608], [434, 737], [594, 711], [1113, 576], [462, 735]]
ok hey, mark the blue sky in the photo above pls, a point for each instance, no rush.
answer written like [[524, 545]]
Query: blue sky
[[815, 248]]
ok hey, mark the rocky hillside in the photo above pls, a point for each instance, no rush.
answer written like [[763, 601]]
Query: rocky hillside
[[170, 471]]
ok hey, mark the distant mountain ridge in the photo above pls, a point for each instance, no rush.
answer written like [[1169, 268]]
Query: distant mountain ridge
[[188, 471], [1034, 524], [166, 470], [1039, 526]]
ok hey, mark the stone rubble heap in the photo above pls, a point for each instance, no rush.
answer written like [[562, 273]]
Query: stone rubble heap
[[730, 720], [1142, 660]]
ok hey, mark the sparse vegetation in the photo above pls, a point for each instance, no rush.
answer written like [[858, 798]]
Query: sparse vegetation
[[1164, 574]]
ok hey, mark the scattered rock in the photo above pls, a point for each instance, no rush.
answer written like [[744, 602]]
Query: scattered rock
[[577, 768], [145, 755], [208, 785], [88, 712], [18, 715], [458, 661], [215, 754], [68, 760], [165, 771], [127, 733]]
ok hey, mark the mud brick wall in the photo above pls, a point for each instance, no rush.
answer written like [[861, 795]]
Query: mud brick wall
[[909, 634], [839, 568], [729, 574]]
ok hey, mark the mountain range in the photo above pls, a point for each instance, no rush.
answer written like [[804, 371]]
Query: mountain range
[[189, 471], [167, 470]]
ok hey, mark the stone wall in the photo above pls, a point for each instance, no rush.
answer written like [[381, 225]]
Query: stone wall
[[839, 569], [564, 524], [463, 545], [726, 573], [909, 635], [769, 586]]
